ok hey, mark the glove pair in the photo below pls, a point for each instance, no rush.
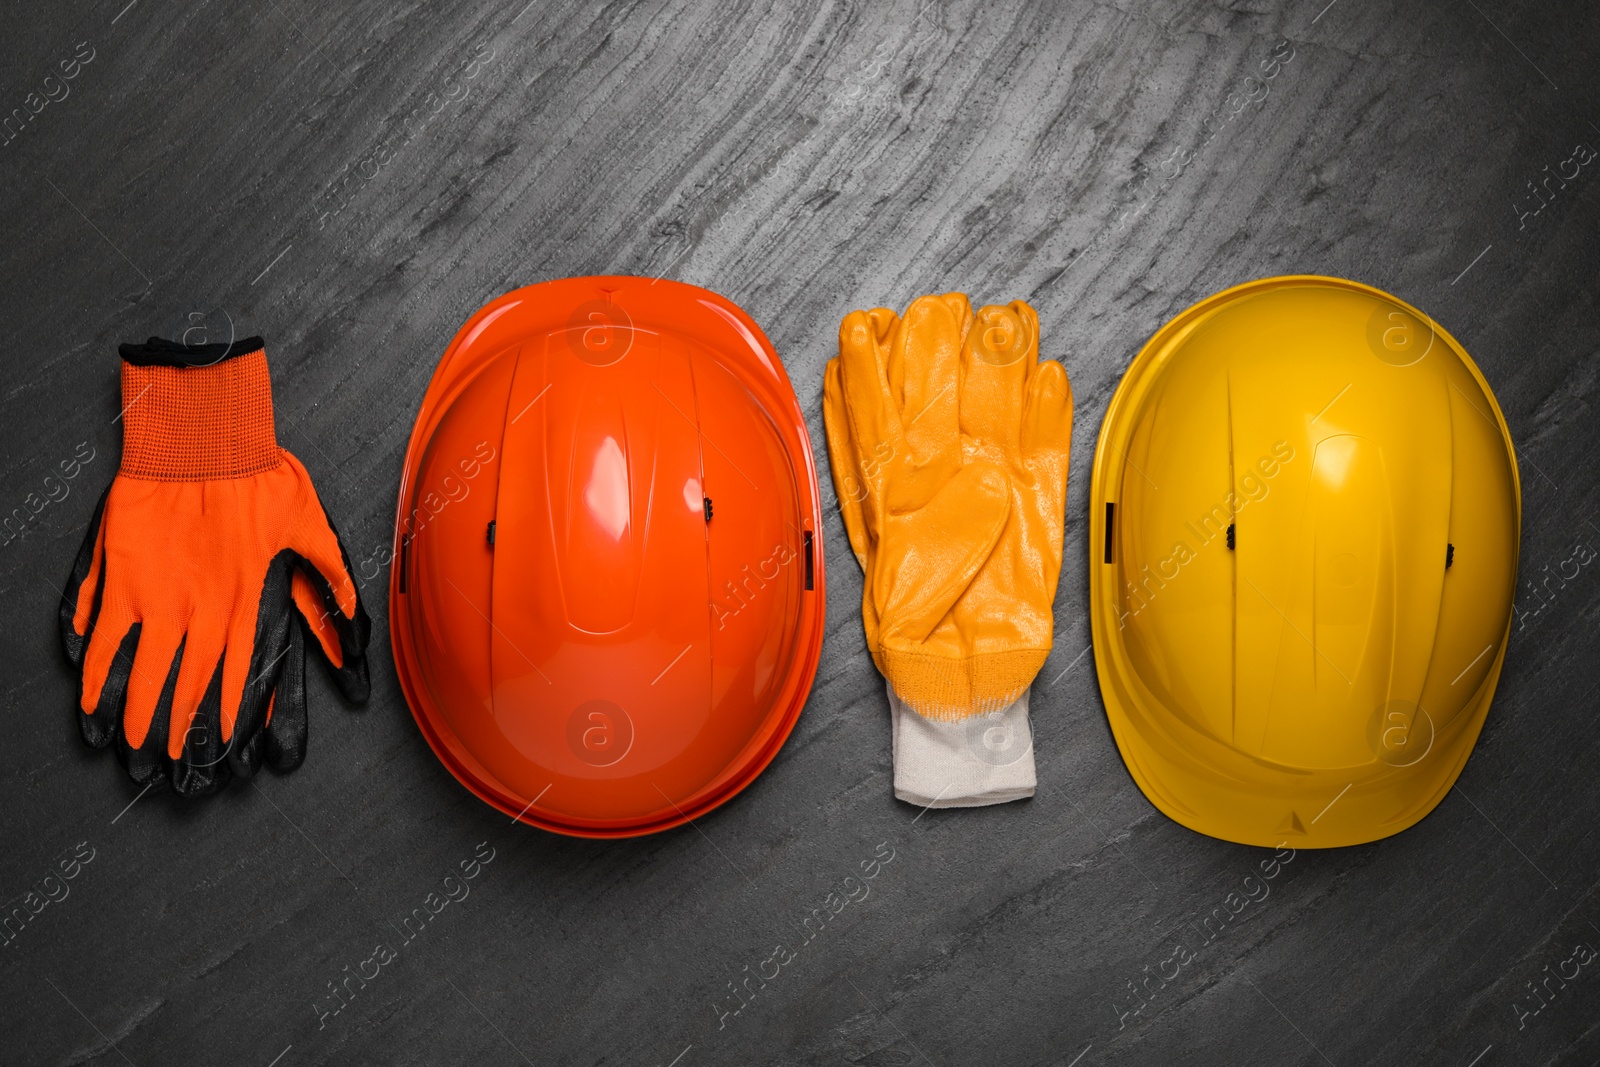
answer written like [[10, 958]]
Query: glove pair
[[179, 606], [949, 443]]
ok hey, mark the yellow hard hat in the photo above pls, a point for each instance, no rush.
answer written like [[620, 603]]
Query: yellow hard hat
[[1303, 553]]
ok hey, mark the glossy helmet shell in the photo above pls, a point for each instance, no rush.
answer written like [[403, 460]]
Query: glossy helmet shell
[[1303, 554], [607, 603]]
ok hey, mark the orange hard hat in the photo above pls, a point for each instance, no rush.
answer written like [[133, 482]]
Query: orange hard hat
[[607, 603]]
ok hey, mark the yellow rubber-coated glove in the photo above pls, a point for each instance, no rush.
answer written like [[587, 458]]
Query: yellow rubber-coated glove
[[949, 443]]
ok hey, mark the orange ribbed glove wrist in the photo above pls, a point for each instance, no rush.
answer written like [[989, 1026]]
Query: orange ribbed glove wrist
[[178, 608]]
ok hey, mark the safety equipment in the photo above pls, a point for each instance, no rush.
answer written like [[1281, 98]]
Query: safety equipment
[[1306, 515], [608, 603], [949, 443], [178, 607]]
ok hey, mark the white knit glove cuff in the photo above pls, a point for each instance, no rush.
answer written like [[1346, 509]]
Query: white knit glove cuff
[[985, 759]]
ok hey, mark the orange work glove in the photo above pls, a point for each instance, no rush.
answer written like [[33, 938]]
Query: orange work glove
[[178, 606], [949, 441]]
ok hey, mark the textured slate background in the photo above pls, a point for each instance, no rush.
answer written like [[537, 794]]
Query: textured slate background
[[281, 167]]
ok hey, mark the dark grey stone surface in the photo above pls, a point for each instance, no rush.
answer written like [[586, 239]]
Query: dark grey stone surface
[[353, 180]]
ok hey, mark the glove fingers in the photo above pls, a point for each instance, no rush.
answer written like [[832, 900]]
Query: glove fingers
[[885, 325], [1001, 351], [961, 308], [154, 678], [320, 555], [1047, 429], [142, 741], [202, 660], [924, 379], [313, 538], [100, 716], [844, 462], [944, 546], [200, 766], [283, 741], [110, 629], [236, 659], [317, 618], [928, 351], [1047, 411], [350, 674], [874, 417], [80, 602], [264, 661], [266, 656]]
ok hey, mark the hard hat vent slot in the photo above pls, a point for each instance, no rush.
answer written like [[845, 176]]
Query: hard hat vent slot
[[1230, 536], [1449, 555], [707, 502], [810, 576], [1111, 515], [490, 534]]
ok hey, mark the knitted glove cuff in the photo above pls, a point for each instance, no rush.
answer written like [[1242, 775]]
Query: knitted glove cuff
[[196, 413]]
